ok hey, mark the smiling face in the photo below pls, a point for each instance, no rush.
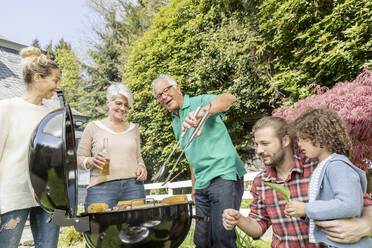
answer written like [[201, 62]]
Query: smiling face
[[170, 97], [269, 146], [118, 107], [46, 86]]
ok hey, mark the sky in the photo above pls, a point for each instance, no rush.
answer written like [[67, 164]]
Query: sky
[[22, 21]]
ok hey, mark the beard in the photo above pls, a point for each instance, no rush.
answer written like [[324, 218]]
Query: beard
[[276, 159]]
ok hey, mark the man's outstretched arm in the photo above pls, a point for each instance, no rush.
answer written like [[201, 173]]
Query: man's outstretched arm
[[232, 218]]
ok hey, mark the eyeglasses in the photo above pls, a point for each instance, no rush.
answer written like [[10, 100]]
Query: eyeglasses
[[120, 105], [164, 93]]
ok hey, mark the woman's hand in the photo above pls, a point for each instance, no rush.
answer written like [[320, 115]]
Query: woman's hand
[[97, 161], [295, 209], [141, 173]]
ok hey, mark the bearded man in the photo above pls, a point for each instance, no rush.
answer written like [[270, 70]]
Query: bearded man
[[284, 167]]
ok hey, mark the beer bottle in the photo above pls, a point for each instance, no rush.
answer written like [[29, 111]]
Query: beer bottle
[[106, 168]]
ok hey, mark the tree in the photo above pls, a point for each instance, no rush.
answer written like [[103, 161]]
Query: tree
[[99, 76], [315, 41], [209, 47], [62, 44], [124, 21], [353, 102], [36, 43], [261, 51], [49, 51], [70, 67]]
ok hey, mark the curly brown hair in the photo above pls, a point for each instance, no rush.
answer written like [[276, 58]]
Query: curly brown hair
[[323, 127]]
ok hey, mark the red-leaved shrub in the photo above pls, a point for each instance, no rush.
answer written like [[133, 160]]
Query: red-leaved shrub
[[353, 102]]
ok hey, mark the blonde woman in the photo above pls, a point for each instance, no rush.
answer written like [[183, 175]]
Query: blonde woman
[[127, 170], [18, 118]]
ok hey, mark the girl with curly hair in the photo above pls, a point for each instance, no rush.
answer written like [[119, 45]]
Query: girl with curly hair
[[336, 186]]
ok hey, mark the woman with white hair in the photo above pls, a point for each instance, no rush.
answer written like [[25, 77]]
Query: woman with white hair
[[124, 178]]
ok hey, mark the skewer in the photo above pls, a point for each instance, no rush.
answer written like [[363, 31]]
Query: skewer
[[179, 173]]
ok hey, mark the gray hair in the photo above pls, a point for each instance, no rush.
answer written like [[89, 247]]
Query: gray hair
[[114, 90], [162, 77]]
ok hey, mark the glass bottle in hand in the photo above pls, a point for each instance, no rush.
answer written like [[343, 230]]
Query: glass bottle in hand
[[106, 167]]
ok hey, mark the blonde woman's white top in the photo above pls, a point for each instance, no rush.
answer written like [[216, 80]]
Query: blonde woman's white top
[[18, 119]]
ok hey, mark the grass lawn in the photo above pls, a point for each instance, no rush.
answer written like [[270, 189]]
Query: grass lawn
[[70, 238], [243, 241]]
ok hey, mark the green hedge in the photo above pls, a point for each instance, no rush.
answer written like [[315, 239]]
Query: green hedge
[[260, 51]]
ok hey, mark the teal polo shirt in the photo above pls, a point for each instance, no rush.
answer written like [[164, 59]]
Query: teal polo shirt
[[211, 154]]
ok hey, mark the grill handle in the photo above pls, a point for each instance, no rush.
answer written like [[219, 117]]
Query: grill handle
[[201, 218]]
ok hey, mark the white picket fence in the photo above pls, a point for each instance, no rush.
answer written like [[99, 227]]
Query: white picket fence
[[187, 184]]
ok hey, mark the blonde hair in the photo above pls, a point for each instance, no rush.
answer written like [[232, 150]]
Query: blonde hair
[[33, 61], [117, 89]]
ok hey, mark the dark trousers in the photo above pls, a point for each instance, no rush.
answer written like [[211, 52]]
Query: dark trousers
[[212, 201]]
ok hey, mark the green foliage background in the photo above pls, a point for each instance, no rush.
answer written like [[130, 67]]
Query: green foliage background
[[123, 22], [208, 47], [70, 67], [263, 51], [316, 41], [260, 51]]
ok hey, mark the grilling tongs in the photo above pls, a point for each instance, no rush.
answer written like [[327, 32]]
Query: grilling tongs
[[162, 168], [192, 136]]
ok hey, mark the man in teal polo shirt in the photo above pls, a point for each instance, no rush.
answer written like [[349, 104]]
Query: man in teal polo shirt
[[216, 169]]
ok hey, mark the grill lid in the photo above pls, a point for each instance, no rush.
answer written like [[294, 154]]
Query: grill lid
[[52, 161]]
